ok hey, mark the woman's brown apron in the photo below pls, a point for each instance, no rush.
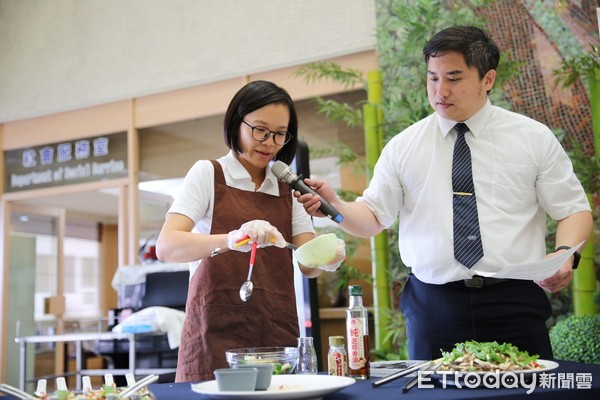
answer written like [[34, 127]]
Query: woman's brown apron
[[216, 318]]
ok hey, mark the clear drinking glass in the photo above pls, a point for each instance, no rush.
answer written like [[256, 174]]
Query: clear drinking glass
[[307, 357]]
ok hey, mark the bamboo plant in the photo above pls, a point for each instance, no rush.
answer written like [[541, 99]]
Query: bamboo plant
[[587, 68]]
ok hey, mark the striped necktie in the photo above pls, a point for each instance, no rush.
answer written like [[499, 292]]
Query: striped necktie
[[467, 236]]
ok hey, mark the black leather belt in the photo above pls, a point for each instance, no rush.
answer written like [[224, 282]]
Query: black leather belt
[[478, 282]]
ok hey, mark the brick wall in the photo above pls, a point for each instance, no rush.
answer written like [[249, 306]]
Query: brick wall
[[533, 91]]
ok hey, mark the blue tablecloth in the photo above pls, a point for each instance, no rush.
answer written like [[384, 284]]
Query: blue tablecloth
[[361, 390]]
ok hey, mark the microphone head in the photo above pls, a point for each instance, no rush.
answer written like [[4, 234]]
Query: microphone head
[[279, 169], [283, 172]]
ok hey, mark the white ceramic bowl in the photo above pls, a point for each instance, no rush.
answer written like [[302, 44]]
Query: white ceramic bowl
[[318, 251]]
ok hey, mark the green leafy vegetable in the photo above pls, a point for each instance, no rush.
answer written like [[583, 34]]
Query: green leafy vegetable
[[473, 355], [279, 369]]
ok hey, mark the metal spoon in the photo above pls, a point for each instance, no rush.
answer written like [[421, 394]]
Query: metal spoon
[[246, 289]]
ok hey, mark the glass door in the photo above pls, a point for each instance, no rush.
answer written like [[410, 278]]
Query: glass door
[[35, 281]]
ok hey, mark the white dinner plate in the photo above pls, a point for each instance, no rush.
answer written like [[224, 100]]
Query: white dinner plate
[[283, 387], [450, 377]]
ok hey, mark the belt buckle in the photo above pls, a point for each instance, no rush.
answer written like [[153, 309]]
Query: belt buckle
[[475, 282]]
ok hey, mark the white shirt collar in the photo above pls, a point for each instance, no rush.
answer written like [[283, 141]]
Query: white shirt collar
[[234, 170], [476, 123]]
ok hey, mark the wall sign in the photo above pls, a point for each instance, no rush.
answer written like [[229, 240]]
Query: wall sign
[[56, 164]]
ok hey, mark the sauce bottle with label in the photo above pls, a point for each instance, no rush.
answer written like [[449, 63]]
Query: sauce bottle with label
[[357, 330], [337, 358]]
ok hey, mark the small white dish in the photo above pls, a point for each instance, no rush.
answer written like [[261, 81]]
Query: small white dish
[[236, 379], [265, 373]]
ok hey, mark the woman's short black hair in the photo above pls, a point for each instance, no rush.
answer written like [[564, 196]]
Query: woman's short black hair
[[251, 97], [476, 46]]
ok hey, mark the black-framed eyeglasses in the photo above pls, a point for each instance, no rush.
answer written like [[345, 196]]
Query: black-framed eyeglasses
[[261, 133]]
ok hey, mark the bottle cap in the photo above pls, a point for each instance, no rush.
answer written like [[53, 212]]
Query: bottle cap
[[355, 290], [336, 340]]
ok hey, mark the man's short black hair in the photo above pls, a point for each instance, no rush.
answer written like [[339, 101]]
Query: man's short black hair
[[476, 46]]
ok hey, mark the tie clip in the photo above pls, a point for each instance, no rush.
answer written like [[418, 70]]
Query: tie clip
[[463, 194]]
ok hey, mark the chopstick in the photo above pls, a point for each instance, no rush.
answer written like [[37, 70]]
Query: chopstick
[[395, 365], [400, 374], [13, 391], [140, 384], [415, 380]]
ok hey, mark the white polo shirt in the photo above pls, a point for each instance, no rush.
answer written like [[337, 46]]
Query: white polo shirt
[[196, 198]]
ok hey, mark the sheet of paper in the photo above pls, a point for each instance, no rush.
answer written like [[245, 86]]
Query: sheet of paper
[[537, 270]]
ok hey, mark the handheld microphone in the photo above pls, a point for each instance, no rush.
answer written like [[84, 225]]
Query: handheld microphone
[[284, 173]]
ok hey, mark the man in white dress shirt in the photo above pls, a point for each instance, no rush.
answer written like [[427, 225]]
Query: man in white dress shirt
[[520, 174]]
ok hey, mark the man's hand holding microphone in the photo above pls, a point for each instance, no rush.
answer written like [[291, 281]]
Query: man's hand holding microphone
[[315, 206]]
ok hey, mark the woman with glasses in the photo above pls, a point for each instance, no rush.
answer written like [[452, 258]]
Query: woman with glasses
[[222, 202]]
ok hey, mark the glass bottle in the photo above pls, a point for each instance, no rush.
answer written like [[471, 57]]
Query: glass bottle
[[307, 357], [337, 358], [357, 332]]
